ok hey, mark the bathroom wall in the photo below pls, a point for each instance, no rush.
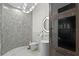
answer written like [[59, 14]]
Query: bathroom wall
[[0, 25], [39, 13], [16, 28]]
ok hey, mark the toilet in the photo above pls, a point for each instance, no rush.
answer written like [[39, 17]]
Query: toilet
[[42, 46], [34, 46]]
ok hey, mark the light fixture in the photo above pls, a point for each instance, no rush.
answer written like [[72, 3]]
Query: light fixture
[[43, 26], [24, 7]]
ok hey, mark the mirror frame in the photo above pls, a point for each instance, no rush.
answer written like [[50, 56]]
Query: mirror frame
[[46, 18]]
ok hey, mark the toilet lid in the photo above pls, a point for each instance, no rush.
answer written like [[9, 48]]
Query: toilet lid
[[44, 41], [33, 43]]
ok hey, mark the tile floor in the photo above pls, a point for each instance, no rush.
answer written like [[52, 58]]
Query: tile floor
[[22, 51]]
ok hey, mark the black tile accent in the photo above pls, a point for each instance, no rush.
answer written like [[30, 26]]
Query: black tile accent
[[67, 36], [67, 7]]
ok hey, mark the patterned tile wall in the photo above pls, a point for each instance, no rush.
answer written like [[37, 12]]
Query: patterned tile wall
[[16, 28]]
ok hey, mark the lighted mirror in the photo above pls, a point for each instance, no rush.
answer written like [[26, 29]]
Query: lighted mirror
[[46, 24]]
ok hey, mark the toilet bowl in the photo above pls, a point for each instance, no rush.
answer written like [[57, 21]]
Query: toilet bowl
[[34, 46]]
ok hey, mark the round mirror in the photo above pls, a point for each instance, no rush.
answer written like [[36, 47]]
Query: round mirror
[[46, 24]]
